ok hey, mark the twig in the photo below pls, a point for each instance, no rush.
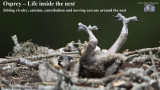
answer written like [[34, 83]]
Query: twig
[[139, 76], [140, 59], [6, 82], [17, 46], [142, 51], [58, 86], [72, 88], [89, 82], [95, 82], [130, 57], [148, 70], [15, 70], [15, 39], [6, 67], [4, 60], [141, 86], [36, 57], [154, 69], [28, 63], [74, 52]]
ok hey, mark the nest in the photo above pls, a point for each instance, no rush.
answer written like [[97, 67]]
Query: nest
[[139, 71]]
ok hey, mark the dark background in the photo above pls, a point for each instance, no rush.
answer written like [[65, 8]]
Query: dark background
[[57, 29]]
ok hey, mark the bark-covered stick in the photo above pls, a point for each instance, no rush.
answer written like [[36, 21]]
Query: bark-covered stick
[[142, 51]]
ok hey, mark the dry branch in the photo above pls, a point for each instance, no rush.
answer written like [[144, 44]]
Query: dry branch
[[6, 82], [142, 51], [74, 87], [154, 69], [5, 60], [139, 76], [140, 59], [28, 63]]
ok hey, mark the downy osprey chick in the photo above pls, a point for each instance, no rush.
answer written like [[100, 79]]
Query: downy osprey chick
[[96, 63]]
